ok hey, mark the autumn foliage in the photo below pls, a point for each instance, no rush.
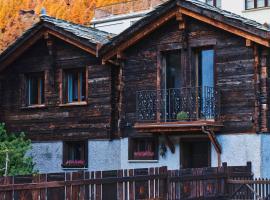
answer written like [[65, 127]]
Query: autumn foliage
[[17, 15]]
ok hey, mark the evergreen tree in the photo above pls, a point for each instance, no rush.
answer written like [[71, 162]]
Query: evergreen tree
[[13, 154]]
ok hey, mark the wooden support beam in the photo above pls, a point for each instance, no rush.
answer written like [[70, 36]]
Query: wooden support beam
[[248, 43], [182, 25], [214, 142], [179, 16], [225, 27], [120, 55]]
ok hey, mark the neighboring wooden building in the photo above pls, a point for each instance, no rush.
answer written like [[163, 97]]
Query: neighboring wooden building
[[186, 86]]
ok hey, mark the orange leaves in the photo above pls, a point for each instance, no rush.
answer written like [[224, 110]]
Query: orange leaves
[[12, 23]]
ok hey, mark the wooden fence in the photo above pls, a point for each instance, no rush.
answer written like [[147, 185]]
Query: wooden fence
[[152, 183], [257, 189]]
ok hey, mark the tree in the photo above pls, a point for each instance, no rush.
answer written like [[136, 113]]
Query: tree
[[13, 154]]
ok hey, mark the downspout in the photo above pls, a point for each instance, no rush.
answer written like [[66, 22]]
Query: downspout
[[214, 141]]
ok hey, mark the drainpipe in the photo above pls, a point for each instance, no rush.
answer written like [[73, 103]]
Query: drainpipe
[[214, 141]]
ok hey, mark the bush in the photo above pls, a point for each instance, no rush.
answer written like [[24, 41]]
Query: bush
[[15, 148]]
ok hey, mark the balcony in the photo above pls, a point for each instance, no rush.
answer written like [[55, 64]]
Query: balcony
[[183, 109]]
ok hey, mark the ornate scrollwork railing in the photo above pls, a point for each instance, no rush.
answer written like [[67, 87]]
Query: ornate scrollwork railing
[[184, 104]]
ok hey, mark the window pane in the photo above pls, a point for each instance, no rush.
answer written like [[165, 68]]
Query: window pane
[[35, 89], [249, 4], [260, 3], [218, 3], [207, 82], [210, 2], [75, 86], [143, 149]]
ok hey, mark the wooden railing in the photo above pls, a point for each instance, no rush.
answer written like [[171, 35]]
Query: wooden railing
[[152, 183]]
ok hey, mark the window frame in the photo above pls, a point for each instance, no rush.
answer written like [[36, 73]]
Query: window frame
[[64, 88], [66, 145], [214, 3], [266, 4], [131, 148], [41, 89]]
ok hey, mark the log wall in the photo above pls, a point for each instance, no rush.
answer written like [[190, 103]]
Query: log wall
[[234, 71], [54, 121]]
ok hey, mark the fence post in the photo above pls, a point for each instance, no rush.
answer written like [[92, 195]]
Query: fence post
[[164, 184], [225, 183]]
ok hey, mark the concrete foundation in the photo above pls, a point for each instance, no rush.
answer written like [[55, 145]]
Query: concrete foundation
[[237, 149]]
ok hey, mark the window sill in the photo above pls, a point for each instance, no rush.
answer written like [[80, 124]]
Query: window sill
[[83, 103], [34, 106], [143, 161], [255, 9]]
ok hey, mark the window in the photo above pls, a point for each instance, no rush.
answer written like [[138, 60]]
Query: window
[[250, 4], [205, 82], [35, 89], [143, 149], [74, 86], [216, 3], [75, 154]]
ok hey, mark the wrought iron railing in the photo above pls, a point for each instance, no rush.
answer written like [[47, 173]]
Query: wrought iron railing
[[184, 104]]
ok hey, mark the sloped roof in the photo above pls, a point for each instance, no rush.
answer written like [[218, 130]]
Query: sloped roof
[[87, 36], [226, 17], [91, 34]]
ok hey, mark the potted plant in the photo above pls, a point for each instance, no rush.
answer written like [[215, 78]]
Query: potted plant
[[74, 164], [144, 155], [182, 116]]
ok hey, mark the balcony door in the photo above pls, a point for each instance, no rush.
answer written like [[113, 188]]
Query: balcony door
[[171, 82], [205, 83]]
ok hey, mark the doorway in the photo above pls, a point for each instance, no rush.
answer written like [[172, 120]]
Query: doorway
[[195, 153]]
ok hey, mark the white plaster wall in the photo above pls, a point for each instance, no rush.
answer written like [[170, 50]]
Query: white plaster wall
[[265, 151], [238, 149], [170, 160], [47, 156], [104, 155], [261, 15]]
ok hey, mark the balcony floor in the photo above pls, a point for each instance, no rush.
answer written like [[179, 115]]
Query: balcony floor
[[173, 127]]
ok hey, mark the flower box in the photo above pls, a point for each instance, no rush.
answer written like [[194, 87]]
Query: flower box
[[74, 164], [144, 155]]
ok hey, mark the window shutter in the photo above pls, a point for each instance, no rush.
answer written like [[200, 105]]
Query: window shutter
[[23, 89]]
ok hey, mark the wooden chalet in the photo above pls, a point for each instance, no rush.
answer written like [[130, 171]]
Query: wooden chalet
[[187, 85]]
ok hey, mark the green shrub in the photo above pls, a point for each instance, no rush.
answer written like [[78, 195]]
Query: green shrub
[[182, 116], [16, 146]]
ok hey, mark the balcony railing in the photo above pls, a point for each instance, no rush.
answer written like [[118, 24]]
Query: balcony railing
[[184, 104], [125, 7]]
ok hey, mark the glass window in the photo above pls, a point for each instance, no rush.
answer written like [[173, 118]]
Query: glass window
[[205, 83], [74, 86], [260, 3], [250, 4], [216, 3], [210, 2], [143, 149], [75, 154], [35, 89]]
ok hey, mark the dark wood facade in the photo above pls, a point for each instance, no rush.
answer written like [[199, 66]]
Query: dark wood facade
[[241, 61], [241, 72], [56, 120]]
